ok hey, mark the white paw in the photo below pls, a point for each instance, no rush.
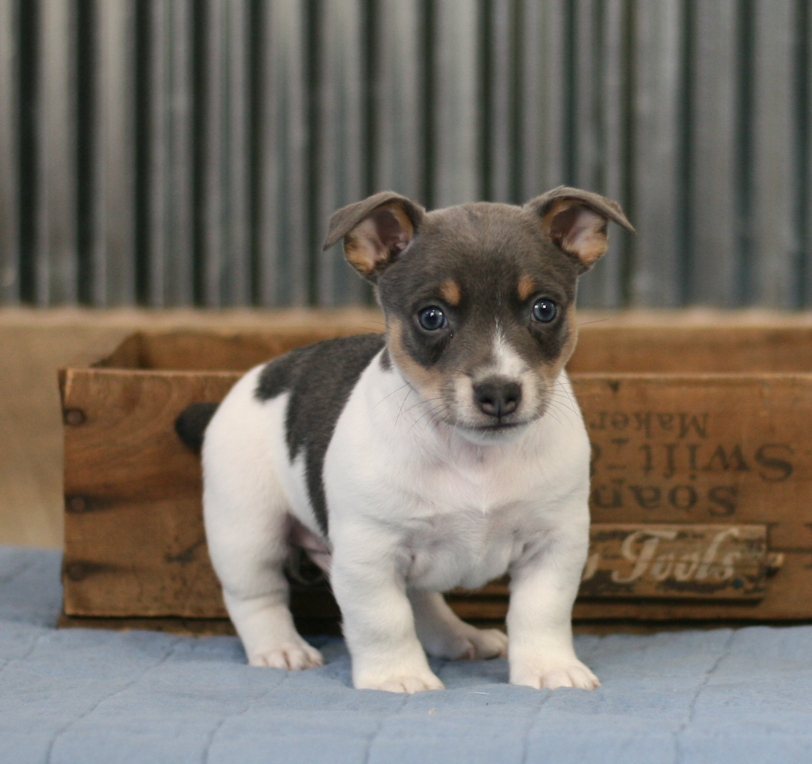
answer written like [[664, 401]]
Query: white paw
[[291, 656], [470, 645], [410, 683], [573, 674]]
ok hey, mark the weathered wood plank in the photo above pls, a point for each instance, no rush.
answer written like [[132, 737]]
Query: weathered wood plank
[[676, 561], [691, 350], [669, 449], [657, 166], [341, 140], [774, 242], [134, 535], [171, 277], [699, 448], [181, 351], [456, 133], [56, 245], [399, 104], [715, 267], [9, 155], [113, 201], [282, 224]]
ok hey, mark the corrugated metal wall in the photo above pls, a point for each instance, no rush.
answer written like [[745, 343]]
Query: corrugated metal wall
[[173, 152]]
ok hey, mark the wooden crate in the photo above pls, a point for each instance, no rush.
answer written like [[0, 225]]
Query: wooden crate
[[701, 496]]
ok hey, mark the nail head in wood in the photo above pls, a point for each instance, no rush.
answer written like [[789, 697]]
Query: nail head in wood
[[75, 417], [75, 571], [77, 504]]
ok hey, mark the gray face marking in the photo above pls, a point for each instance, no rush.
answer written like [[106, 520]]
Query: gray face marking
[[320, 378], [494, 253], [386, 361]]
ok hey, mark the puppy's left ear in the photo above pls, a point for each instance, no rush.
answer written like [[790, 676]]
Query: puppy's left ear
[[577, 220], [375, 231]]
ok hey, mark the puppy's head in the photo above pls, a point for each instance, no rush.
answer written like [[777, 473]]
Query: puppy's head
[[479, 298]]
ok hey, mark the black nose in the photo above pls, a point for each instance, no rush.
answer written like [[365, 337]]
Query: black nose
[[498, 397]]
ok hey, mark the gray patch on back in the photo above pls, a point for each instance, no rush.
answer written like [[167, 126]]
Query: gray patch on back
[[320, 378]]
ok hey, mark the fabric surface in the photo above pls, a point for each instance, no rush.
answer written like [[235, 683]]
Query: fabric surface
[[79, 695]]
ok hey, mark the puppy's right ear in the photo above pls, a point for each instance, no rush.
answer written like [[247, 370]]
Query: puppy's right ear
[[375, 231]]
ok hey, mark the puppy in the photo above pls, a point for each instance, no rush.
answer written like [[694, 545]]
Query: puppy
[[439, 455]]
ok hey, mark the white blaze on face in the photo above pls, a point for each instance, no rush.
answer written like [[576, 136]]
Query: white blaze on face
[[507, 362]]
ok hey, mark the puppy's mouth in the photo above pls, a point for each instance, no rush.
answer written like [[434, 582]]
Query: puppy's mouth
[[497, 427], [493, 430]]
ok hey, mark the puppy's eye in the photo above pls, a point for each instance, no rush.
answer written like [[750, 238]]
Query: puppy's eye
[[432, 319], [544, 310]]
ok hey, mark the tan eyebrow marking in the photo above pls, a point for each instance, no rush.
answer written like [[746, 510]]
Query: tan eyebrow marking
[[526, 287], [450, 290]]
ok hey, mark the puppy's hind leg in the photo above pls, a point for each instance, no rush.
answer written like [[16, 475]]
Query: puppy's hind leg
[[247, 527], [444, 635], [261, 615]]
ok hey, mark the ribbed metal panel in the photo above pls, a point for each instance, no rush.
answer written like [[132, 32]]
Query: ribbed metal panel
[[172, 152], [168, 269], [9, 153]]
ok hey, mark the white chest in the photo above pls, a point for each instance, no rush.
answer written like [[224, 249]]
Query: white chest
[[452, 513], [464, 548]]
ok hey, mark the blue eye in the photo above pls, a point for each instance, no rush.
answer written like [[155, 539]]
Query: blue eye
[[544, 310], [432, 319]]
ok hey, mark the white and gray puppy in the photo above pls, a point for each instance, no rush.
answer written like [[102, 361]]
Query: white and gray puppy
[[439, 455]]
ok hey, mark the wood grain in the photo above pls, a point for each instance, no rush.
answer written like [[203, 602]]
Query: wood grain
[[688, 456]]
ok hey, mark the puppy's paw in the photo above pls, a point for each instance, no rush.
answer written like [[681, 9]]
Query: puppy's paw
[[471, 644], [552, 676], [395, 682], [291, 656]]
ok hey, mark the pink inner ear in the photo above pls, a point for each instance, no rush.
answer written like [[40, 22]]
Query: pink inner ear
[[581, 232], [390, 232]]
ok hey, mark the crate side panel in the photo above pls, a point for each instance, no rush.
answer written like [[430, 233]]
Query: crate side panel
[[787, 598], [208, 351], [718, 449], [134, 540], [685, 349]]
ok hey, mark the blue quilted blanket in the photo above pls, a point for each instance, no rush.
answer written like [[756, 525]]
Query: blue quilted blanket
[[80, 695]]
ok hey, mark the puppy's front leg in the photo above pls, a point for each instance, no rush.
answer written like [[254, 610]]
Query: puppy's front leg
[[378, 621], [543, 589]]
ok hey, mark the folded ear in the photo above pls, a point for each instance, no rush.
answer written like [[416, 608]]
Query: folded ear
[[375, 231], [577, 220]]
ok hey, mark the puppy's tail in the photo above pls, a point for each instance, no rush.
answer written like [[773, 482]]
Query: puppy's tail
[[192, 423]]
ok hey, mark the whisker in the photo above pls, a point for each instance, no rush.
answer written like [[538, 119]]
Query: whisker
[[431, 412], [420, 402], [561, 398], [402, 404], [389, 395]]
